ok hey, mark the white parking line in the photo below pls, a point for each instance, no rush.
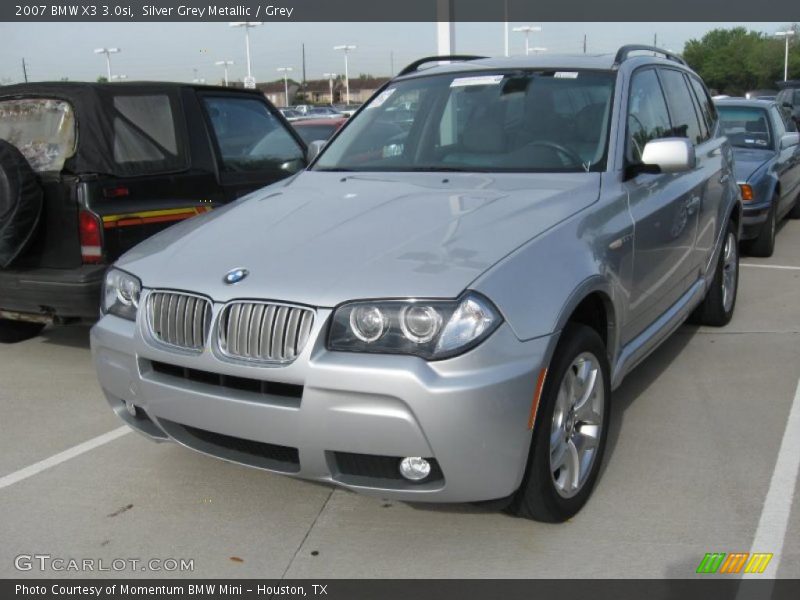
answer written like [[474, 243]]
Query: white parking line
[[61, 457], [774, 520], [779, 267]]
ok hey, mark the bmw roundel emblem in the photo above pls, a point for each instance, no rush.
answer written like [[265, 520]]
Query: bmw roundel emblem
[[235, 276]]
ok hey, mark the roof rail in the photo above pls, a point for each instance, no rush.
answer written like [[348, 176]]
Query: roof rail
[[622, 53], [414, 66]]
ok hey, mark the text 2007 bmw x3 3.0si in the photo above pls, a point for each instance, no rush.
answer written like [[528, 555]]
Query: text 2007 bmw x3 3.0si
[[439, 307]]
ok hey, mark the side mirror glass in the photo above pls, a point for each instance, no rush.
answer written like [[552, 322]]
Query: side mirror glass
[[314, 148], [669, 155]]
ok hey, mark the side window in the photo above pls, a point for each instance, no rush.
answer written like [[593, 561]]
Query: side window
[[706, 104], [250, 137], [648, 118], [701, 119], [145, 132], [681, 108]]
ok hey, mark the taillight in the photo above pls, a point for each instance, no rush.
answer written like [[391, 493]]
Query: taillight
[[91, 236]]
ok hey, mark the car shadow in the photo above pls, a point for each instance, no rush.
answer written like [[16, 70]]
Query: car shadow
[[634, 385], [72, 336]]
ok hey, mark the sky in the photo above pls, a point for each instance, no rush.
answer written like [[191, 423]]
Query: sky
[[185, 51]]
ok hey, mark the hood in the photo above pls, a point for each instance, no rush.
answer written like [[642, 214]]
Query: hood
[[748, 160], [322, 238]]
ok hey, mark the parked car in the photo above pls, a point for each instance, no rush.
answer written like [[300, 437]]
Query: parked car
[[348, 110], [789, 100], [312, 130], [763, 94], [767, 168], [440, 314], [290, 114], [324, 112], [90, 170]]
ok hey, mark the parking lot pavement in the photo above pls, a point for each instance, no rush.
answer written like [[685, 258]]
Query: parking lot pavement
[[695, 437]]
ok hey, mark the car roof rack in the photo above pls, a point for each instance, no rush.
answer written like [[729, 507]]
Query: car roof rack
[[622, 53], [414, 66]]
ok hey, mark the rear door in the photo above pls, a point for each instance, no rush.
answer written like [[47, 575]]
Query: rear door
[[254, 145], [787, 163], [664, 208], [714, 169], [166, 171]]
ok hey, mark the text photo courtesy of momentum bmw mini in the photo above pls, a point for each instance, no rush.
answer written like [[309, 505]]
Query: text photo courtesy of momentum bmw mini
[[439, 306]]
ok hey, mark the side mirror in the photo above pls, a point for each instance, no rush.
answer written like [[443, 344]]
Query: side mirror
[[789, 139], [314, 148], [669, 155]]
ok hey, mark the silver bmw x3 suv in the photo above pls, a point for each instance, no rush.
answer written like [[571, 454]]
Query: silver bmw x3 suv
[[439, 307]]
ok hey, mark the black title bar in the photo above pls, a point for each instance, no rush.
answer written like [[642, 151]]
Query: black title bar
[[784, 11]]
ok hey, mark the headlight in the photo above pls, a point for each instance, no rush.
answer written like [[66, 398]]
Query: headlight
[[431, 329], [121, 293]]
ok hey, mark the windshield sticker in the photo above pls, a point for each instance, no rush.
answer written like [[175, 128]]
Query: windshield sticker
[[480, 80], [566, 75], [382, 97]]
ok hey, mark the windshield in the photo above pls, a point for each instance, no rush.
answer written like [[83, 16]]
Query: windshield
[[546, 121], [42, 129], [746, 127]]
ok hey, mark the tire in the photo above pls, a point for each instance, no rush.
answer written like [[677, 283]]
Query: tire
[[764, 244], [795, 212], [545, 493], [21, 201], [717, 307], [12, 332]]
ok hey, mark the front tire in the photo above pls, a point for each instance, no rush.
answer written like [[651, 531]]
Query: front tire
[[570, 431], [18, 331], [795, 212], [764, 245], [717, 307]]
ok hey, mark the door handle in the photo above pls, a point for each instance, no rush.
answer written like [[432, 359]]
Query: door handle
[[724, 178]]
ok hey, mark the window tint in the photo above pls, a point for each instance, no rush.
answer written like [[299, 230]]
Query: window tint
[[145, 132], [707, 109], [701, 119], [648, 118], [681, 106], [250, 138]]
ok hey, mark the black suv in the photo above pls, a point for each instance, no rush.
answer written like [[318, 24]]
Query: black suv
[[89, 170], [789, 99]]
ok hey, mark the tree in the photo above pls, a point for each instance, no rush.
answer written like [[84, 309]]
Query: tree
[[102, 79], [734, 61]]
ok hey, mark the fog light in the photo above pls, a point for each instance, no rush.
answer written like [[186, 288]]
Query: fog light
[[415, 468], [130, 408]]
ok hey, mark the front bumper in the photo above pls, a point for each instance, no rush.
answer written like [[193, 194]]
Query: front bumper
[[334, 409], [56, 293]]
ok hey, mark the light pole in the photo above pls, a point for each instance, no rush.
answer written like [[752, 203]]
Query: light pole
[[248, 25], [108, 52], [346, 49], [331, 77], [224, 64], [786, 35], [285, 71], [527, 30]]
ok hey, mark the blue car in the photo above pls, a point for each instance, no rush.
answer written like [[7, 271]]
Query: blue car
[[767, 154]]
